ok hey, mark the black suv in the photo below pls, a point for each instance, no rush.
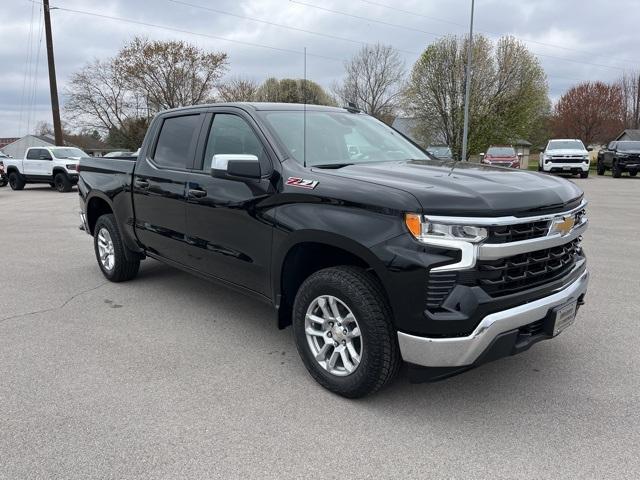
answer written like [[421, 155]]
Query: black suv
[[620, 156]]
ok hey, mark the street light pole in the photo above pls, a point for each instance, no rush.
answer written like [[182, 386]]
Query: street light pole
[[467, 90], [53, 87]]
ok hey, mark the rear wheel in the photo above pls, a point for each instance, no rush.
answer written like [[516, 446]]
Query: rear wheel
[[16, 181], [62, 182], [111, 252], [634, 173], [616, 171], [600, 168], [344, 333]]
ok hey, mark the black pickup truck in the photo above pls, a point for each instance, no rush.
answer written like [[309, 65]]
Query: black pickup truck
[[619, 156], [372, 250]]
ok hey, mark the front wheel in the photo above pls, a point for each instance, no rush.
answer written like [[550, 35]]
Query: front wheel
[[16, 182], [62, 183], [111, 253], [584, 174], [616, 171], [343, 330], [600, 168], [634, 173], [3, 182]]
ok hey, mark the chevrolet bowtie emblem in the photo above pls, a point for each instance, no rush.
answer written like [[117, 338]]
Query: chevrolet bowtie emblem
[[563, 225]]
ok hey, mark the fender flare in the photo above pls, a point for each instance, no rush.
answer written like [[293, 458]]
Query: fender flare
[[326, 238]]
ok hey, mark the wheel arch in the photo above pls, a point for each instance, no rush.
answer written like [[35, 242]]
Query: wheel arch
[[97, 205], [306, 252]]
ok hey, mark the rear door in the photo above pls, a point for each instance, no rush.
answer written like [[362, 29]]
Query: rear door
[[228, 224], [159, 186]]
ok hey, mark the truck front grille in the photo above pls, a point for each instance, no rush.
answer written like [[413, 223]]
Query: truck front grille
[[566, 159], [521, 272], [517, 232]]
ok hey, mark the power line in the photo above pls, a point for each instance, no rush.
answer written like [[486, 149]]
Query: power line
[[403, 27], [188, 32], [524, 39], [280, 25]]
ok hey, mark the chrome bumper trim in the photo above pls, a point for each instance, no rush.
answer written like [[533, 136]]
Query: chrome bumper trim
[[463, 351]]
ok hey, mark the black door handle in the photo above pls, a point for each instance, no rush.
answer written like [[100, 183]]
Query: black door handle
[[196, 193], [141, 184]]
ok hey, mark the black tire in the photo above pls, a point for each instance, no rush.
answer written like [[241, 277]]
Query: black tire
[[125, 266], [364, 296], [584, 174], [16, 181], [62, 182], [600, 169], [634, 173], [4, 182], [616, 171]]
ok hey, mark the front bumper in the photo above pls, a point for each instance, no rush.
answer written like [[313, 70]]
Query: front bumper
[[574, 167], [460, 353]]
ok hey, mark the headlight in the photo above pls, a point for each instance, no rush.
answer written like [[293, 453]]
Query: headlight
[[424, 230]]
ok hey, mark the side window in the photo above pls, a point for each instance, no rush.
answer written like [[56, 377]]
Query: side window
[[174, 143], [34, 154], [231, 134], [45, 154]]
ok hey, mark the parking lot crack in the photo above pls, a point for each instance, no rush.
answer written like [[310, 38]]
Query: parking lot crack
[[51, 309]]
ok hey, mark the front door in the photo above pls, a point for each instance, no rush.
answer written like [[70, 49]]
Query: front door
[[159, 187], [37, 163], [229, 227]]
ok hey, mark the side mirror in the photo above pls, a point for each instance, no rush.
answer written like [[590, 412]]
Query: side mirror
[[45, 157], [482, 155], [589, 149], [520, 155], [226, 165]]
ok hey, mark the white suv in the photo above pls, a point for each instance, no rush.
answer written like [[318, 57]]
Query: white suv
[[565, 156], [57, 166]]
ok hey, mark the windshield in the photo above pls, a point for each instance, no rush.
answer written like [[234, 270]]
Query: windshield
[[335, 138], [68, 152], [565, 145], [628, 146], [439, 151], [501, 152]]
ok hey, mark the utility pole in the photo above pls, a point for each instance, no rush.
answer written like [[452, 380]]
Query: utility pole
[[53, 87], [467, 90]]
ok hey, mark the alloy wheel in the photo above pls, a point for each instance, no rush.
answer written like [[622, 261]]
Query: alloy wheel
[[333, 335], [106, 251]]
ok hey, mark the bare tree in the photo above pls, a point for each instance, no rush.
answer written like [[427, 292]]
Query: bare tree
[[373, 80], [591, 111], [509, 93], [630, 87], [98, 98], [238, 89], [170, 74]]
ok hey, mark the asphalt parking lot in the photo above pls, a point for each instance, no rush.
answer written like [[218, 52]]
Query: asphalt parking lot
[[169, 376]]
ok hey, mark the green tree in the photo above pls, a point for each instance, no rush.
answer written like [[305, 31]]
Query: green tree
[[509, 92], [289, 90]]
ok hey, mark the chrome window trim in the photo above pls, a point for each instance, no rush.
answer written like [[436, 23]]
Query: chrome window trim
[[501, 221]]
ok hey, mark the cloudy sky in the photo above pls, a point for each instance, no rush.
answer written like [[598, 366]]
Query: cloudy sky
[[575, 40]]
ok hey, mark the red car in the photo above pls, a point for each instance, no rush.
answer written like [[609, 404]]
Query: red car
[[501, 157]]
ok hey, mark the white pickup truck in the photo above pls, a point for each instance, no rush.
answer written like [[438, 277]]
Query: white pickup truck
[[57, 166], [565, 155]]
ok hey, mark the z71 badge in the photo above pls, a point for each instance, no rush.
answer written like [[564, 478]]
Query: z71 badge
[[302, 183]]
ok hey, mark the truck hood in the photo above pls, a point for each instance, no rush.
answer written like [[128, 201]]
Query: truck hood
[[469, 189]]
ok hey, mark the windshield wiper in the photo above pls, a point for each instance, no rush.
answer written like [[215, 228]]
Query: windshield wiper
[[334, 166]]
